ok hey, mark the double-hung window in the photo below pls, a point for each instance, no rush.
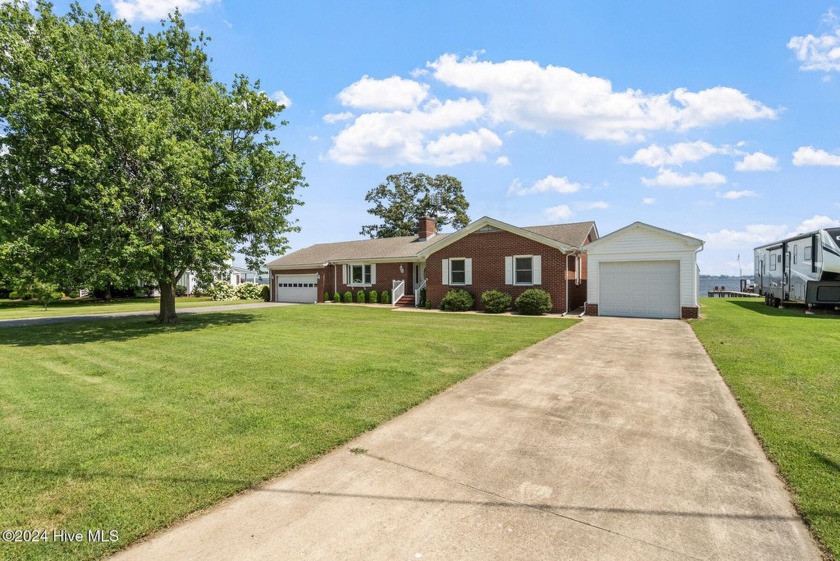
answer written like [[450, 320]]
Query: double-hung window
[[360, 275], [457, 271], [524, 270]]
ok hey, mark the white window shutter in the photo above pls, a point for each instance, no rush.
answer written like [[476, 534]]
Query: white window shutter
[[444, 267], [468, 270], [536, 264], [344, 274], [508, 270], [373, 273]]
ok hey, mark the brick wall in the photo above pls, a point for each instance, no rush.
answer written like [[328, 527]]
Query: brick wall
[[690, 312], [488, 251], [322, 273], [592, 309], [385, 273]]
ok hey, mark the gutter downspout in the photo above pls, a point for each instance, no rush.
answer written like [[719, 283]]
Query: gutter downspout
[[567, 284], [335, 279]]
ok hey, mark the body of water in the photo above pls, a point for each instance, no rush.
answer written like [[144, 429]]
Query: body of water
[[708, 283]]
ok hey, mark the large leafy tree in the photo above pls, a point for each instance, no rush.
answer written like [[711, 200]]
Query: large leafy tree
[[405, 197], [124, 161]]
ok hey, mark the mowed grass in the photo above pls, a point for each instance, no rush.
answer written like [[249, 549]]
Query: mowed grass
[[784, 369], [19, 309], [129, 426]]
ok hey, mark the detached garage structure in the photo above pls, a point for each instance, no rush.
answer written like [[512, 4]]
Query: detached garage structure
[[643, 271]]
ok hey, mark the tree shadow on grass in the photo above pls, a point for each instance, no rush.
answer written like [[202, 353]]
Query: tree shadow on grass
[[795, 312], [826, 461], [108, 330]]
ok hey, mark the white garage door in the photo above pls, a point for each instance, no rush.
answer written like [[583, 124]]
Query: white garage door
[[296, 288], [647, 289]]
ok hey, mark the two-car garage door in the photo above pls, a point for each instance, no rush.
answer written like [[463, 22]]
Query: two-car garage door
[[640, 289], [296, 288]]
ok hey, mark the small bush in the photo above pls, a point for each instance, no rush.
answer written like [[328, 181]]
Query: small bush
[[248, 291], [26, 296], [495, 302], [534, 302], [360, 297], [348, 297], [428, 304], [13, 295], [422, 302], [265, 292], [180, 290], [222, 290], [457, 300], [385, 297], [336, 297], [326, 296], [373, 297], [200, 291]]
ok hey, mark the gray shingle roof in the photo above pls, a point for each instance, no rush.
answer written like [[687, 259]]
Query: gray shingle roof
[[407, 247]]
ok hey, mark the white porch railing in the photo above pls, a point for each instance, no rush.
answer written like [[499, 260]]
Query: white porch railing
[[397, 291], [417, 290]]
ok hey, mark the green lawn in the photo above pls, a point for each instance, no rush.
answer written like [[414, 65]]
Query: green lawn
[[784, 369], [17, 309], [126, 425]]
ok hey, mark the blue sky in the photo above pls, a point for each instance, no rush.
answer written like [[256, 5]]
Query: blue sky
[[718, 119]]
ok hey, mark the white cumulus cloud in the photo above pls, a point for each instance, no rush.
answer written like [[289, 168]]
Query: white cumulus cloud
[[816, 222], [502, 161], [280, 97], [150, 10], [675, 155], [560, 212], [810, 156], [416, 137], [548, 184], [732, 195], [819, 52], [337, 117], [390, 94], [757, 161], [544, 98], [751, 236], [648, 201], [670, 178]]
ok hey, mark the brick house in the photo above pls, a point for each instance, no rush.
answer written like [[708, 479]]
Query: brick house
[[487, 254]]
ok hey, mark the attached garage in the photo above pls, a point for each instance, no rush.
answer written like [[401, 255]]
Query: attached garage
[[296, 288], [643, 271]]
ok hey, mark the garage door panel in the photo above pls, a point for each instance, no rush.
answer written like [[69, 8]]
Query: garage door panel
[[639, 289], [296, 288]]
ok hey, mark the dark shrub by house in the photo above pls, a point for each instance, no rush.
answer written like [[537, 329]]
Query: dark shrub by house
[[457, 300], [385, 297], [180, 290], [495, 301], [265, 292], [533, 302], [336, 297], [326, 296], [422, 302], [348, 297], [373, 297], [360, 297]]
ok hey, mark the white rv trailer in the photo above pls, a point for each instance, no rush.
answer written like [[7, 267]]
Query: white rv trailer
[[804, 269]]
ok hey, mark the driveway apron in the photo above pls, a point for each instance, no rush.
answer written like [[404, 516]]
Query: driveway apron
[[616, 439]]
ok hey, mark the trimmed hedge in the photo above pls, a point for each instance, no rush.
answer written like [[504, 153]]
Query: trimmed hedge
[[373, 297], [360, 297], [348, 297], [265, 292], [336, 297], [180, 290], [457, 300], [495, 301], [326, 296], [533, 302], [385, 297]]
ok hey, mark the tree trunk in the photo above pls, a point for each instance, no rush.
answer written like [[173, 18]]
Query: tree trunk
[[167, 302]]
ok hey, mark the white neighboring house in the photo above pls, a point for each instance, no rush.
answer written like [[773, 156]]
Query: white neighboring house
[[232, 274]]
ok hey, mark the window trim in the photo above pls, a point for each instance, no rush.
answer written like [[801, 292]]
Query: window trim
[[367, 274], [516, 270], [463, 260]]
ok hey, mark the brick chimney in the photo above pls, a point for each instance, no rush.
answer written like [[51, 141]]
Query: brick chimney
[[427, 228]]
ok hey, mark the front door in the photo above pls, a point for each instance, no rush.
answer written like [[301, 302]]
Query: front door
[[419, 273]]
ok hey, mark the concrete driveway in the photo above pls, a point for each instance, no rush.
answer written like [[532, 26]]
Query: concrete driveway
[[614, 440]]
